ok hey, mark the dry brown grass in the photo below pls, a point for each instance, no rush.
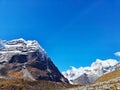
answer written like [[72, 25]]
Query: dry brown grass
[[16, 75], [19, 84], [109, 76]]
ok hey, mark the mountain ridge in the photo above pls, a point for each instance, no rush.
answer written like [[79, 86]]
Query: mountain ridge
[[91, 73], [21, 59]]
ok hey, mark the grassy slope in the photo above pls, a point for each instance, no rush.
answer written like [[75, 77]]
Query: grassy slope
[[28, 85], [109, 76]]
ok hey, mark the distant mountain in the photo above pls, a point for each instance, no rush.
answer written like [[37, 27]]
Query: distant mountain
[[109, 81], [20, 59], [109, 76], [85, 75]]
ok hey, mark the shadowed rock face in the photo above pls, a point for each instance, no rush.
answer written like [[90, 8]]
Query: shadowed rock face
[[83, 79], [30, 62]]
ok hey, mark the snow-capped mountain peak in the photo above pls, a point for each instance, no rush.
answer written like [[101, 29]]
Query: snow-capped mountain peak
[[104, 63], [20, 45], [21, 59], [97, 69]]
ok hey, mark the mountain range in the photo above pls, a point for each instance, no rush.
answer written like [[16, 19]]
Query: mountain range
[[86, 75], [25, 65]]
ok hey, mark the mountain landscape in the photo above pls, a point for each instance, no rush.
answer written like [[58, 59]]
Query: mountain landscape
[[25, 65], [86, 75], [110, 81], [20, 59], [27, 60]]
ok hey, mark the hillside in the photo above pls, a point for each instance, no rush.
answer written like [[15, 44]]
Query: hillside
[[109, 76], [20, 84]]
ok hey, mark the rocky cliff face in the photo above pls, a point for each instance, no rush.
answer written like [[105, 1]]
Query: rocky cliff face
[[20, 59]]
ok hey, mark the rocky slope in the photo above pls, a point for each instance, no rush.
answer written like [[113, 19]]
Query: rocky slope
[[20, 59]]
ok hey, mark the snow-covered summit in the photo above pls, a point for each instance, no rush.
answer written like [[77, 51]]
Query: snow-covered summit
[[104, 63], [21, 59], [20, 45], [97, 69]]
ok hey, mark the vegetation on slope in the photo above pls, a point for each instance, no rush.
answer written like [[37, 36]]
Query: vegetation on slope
[[31, 85], [109, 76]]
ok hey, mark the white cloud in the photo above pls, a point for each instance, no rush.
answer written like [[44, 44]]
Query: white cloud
[[117, 54]]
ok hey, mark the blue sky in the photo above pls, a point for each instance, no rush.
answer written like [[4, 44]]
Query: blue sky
[[73, 32]]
